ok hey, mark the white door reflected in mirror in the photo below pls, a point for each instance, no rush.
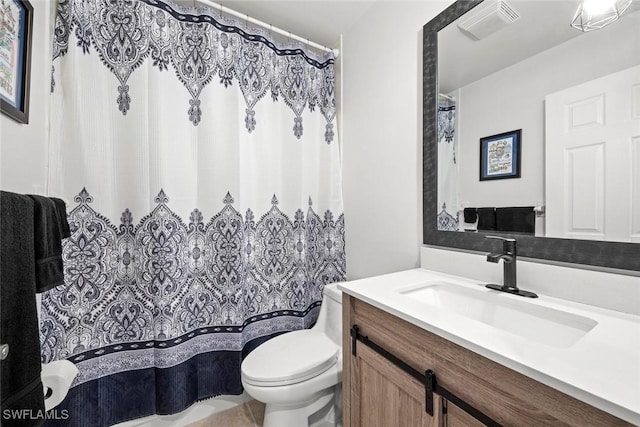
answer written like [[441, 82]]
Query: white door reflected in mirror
[[592, 159]]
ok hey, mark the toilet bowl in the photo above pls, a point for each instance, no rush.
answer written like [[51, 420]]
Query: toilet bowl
[[298, 374]]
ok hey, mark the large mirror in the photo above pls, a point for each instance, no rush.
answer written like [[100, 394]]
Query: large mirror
[[521, 127]]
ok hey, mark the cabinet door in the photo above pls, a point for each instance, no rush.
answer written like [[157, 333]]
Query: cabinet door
[[453, 416], [383, 395]]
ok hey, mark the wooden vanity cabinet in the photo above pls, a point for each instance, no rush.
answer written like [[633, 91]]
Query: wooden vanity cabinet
[[377, 393], [453, 416], [382, 395]]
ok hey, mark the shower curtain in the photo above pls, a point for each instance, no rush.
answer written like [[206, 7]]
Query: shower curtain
[[200, 165], [448, 215]]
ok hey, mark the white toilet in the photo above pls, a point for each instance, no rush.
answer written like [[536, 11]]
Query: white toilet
[[299, 374]]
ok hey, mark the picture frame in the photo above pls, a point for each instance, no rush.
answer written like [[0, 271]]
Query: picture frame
[[500, 155], [16, 28]]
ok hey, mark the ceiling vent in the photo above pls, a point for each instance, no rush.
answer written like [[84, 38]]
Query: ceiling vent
[[487, 18]]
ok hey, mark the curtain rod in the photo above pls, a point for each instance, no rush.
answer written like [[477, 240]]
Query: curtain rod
[[270, 27]]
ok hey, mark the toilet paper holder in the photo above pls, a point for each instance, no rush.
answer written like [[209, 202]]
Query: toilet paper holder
[[57, 378], [48, 392]]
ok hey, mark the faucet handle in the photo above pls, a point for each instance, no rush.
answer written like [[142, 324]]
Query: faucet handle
[[508, 244]]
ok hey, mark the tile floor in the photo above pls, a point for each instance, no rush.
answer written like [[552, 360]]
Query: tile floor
[[248, 414]]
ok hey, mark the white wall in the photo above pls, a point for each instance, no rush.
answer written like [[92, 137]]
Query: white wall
[[382, 136], [23, 148], [513, 98]]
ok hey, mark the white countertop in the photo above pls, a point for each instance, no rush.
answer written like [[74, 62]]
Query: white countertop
[[602, 368]]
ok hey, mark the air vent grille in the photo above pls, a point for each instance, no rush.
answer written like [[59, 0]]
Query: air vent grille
[[487, 18]]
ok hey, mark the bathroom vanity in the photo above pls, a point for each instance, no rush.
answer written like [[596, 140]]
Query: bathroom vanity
[[431, 349]]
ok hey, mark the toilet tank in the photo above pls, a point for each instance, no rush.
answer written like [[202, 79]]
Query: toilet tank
[[330, 317]]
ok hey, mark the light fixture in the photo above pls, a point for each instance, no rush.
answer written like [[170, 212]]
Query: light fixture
[[595, 14]]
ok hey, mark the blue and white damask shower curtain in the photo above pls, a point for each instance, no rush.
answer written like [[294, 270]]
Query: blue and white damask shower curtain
[[200, 165], [448, 215]]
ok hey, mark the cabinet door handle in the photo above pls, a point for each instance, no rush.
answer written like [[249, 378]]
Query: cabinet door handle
[[429, 383]]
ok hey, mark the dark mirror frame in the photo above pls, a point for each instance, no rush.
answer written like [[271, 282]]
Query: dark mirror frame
[[617, 255]]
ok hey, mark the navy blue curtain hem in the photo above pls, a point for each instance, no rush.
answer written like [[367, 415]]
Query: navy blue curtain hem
[[126, 396]]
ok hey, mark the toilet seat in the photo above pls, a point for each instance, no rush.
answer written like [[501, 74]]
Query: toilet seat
[[290, 358]]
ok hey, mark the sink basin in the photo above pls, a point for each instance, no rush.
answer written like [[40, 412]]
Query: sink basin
[[545, 325]]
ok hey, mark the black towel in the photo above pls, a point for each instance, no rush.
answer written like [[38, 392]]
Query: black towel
[[516, 219], [486, 218], [21, 386], [50, 226], [470, 215], [62, 217]]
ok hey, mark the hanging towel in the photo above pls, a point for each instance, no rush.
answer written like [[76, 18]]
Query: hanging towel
[[516, 219], [486, 218], [21, 386], [50, 227], [470, 215], [61, 208]]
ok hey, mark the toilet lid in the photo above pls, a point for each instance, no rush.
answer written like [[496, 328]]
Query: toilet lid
[[290, 358]]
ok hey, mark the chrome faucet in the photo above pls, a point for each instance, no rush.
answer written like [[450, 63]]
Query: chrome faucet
[[508, 257]]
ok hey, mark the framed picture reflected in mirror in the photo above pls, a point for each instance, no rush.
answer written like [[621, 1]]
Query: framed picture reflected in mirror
[[500, 155]]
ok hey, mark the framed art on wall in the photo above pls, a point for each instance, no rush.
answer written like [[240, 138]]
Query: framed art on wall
[[16, 20], [500, 155]]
